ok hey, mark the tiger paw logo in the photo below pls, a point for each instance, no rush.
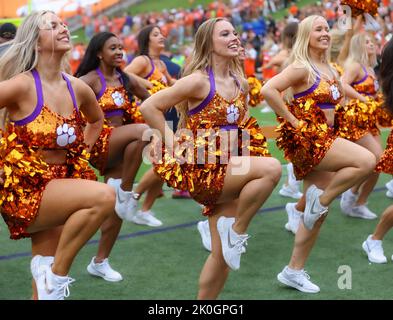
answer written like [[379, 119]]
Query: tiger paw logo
[[65, 135], [118, 98], [232, 114], [335, 92]]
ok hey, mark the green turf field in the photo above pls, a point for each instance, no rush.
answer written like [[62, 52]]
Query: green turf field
[[165, 262]]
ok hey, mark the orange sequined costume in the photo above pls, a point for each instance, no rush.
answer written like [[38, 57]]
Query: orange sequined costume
[[203, 176], [385, 164], [307, 145], [254, 91], [26, 172], [114, 101], [356, 119]]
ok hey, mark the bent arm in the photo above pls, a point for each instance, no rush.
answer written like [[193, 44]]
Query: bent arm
[[350, 75], [289, 77], [92, 112], [154, 107]]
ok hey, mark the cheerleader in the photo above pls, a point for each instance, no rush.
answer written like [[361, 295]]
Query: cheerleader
[[117, 154], [148, 65], [356, 120], [44, 153], [211, 100], [373, 244], [313, 91]]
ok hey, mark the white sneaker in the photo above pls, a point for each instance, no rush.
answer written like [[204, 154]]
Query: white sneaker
[[42, 260], [292, 189], [314, 210], [374, 250], [293, 183], [389, 186], [347, 201], [49, 285], [298, 279], [362, 212], [204, 230], [233, 244], [146, 218], [293, 217], [288, 191], [126, 202], [103, 270]]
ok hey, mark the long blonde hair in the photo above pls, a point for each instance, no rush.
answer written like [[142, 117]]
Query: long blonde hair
[[300, 53], [358, 52], [22, 54], [201, 59], [337, 38]]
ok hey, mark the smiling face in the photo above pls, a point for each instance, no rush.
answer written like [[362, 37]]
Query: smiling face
[[156, 39], [225, 40], [319, 36], [370, 47], [112, 52], [53, 34]]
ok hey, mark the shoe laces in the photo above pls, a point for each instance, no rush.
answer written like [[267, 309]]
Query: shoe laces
[[305, 274], [241, 243], [65, 286], [135, 196]]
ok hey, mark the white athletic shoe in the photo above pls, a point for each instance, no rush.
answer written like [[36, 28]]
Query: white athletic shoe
[[293, 217], [233, 244], [298, 279], [374, 250], [126, 202], [49, 285], [347, 201], [146, 218], [103, 270], [362, 212], [314, 210], [389, 186], [204, 230], [288, 191]]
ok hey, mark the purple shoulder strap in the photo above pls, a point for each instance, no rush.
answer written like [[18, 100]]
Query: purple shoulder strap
[[209, 97], [153, 67], [71, 90], [40, 101], [362, 79], [309, 90], [103, 84]]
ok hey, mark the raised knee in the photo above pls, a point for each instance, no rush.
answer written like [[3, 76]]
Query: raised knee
[[367, 162], [106, 198], [275, 170]]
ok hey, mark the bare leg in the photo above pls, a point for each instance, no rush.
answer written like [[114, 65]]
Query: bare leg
[[44, 243], [124, 160], [110, 229], [125, 150], [152, 194], [385, 224], [81, 206], [351, 164], [373, 145], [250, 188], [215, 271]]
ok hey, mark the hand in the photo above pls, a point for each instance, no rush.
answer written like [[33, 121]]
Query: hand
[[295, 123]]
